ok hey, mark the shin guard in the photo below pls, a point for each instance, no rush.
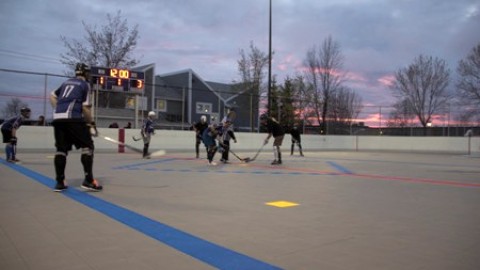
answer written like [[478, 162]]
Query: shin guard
[[60, 162], [87, 162]]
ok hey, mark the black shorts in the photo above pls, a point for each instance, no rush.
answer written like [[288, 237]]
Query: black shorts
[[7, 135], [278, 140], [68, 134]]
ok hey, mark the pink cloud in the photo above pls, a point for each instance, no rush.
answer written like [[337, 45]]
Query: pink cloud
[[386, 80]]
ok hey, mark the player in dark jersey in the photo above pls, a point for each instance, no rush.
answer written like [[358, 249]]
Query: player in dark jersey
[[147, 131], [296, 139], [199, 128], [209, 138], [9, 133], [274, 129], [73, 126], [227, 133]]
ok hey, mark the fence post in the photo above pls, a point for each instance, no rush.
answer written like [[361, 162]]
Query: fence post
[[121, 138]]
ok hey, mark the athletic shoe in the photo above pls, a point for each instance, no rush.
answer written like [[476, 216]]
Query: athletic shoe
[[276, 162], [146, 157], [213, 163], [60, 186], [13, 160], [93, 186]]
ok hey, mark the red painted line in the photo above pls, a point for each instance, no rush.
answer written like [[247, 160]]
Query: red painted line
[[417, 180], [369, 176], [379, 177]]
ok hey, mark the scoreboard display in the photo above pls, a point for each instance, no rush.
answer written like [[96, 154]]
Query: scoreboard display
[[117, 79]]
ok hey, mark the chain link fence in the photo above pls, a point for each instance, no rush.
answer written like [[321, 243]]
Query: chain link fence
[[33, 89]]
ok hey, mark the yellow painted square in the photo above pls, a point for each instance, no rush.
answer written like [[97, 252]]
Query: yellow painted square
[[282, 204]]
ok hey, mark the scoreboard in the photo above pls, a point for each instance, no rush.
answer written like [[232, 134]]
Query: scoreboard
[[117, 79]]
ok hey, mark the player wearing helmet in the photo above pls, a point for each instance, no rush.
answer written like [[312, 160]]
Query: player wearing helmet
[[147, 131], [209, 138], [227, 133], [73, 126], [199, 128], [9, 133], [274, 129], [296, 139]]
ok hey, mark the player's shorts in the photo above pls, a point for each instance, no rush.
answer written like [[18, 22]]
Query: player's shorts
[[7, 135], [147, 138], [277, 141], [68, 134]]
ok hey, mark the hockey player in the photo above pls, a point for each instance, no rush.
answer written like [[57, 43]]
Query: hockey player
[[209, 138], [9, 133], [227, 134], [199, 128], [73, 126], [147, 131], [296, 139], [274, 129]]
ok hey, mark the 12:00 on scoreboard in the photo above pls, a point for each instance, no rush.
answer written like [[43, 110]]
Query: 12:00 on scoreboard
[[117, 79]]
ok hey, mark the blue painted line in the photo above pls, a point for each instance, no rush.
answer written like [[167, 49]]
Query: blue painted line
[[339, 167], [205, 251]]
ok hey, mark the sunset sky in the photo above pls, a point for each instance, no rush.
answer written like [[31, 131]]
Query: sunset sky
[[377, 37]]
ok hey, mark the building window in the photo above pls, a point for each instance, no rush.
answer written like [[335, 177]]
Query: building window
[[161, 105], [130, 103], [204, 107]]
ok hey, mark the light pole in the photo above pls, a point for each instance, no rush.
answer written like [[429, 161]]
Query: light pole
[[269, 58]]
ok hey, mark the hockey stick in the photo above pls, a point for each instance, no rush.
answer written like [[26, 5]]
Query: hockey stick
[[124, 145], [157, 153], [239, 158], [233, 153], [246, 160], [136, 139]]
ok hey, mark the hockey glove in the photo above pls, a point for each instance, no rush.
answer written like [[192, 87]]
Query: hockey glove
[[93, 129]]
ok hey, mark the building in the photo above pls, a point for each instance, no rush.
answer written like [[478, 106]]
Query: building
[[179, 98]]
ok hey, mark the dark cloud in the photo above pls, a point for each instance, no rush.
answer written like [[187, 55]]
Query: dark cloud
[[377, 37]]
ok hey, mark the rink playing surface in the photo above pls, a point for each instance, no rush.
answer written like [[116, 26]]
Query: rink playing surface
[[327, 210]]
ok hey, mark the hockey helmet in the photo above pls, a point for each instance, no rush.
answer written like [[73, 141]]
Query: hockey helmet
[[152, 114], [25, 112], [82, 69]]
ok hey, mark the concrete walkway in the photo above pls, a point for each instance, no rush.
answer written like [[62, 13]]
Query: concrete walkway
[[328, 210]]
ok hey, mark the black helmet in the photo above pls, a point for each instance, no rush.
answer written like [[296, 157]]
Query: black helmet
[[25, 112], [82, 69]]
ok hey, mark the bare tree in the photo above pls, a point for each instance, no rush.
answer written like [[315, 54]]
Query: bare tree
[[401, 115], [251, 68], [468, 86], [423, 84], [345, 106], [12, 108], [111, 46], [323, 74], [302, 103]]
